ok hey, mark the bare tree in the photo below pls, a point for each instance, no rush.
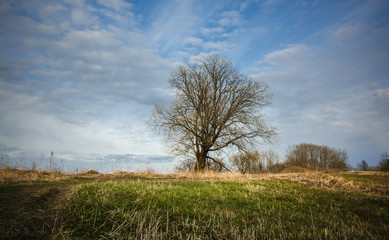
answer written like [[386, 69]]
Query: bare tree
[[384, 163], [255, 162], [363, 166], [316, 157], [216, 108], [247, 162]]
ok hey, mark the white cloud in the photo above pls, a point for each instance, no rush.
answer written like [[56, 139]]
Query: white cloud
[[383, 93], [117, 5], [51, 12], [192, 41], [219, 45], [80, 17], [209, 32], [230, 18], [343, 34], [294, 53]]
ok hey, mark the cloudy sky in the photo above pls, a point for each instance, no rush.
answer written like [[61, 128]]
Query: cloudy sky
[[80, 78]]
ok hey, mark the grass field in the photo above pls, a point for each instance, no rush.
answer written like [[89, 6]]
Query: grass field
[[213, 206]]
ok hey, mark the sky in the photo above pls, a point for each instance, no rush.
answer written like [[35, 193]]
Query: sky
[[80, 77]]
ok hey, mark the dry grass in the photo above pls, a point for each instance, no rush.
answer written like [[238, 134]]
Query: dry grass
[[209, 175], [318, 180], [89, 172], [369, 182], [339, 181], [295, 169], [8, 175]]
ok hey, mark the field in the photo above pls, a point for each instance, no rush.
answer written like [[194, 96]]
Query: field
[[42, 205]]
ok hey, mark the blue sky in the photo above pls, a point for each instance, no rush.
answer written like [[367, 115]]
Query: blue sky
[[80, 78]]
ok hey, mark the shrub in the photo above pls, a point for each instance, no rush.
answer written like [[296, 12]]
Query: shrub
[[294, 169]]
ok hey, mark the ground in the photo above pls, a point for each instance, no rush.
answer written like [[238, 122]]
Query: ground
[[43, 205]]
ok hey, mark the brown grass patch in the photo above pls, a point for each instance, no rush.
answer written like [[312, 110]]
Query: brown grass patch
[[89, 172], [18, 175], [295, 169], [336, 181], [318, 179]]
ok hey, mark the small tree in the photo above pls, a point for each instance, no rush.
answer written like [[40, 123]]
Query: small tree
[[363, 166], [216, 108]]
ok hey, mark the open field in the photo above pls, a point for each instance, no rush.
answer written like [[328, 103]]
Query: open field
[[189, 206]]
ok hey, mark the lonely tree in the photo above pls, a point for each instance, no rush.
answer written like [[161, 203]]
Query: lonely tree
[[216, 108]]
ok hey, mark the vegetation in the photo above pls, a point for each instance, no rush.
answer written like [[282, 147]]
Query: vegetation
[[90, 205], [316, 157], [384, 163], [363, 166], [255, 162], [216, 108]]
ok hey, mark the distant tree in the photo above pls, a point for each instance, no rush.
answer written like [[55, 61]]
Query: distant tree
[[363, 166], [186, 165], [215, 108], [248, 162], [270, 158], [255, 162], [384, 163], [276, 168], [316, 157]]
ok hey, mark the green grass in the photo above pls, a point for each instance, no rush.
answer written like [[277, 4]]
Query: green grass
[[135, 206], [222, 209], [375, 178]]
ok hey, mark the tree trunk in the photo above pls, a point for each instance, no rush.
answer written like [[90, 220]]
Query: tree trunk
[[201, 161]]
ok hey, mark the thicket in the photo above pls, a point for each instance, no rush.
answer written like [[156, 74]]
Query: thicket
[[315, 157], [256, 162]]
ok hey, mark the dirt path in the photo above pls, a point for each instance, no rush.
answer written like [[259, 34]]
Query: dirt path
[[30, 211]]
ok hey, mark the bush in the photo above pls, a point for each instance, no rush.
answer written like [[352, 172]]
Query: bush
[[89, 172], [295, 169], [277, 168]]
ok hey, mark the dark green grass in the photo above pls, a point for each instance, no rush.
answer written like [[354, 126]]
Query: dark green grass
[[215, 209], [28, 209]]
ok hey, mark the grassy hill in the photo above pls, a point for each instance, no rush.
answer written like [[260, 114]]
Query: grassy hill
[[189, 206]]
